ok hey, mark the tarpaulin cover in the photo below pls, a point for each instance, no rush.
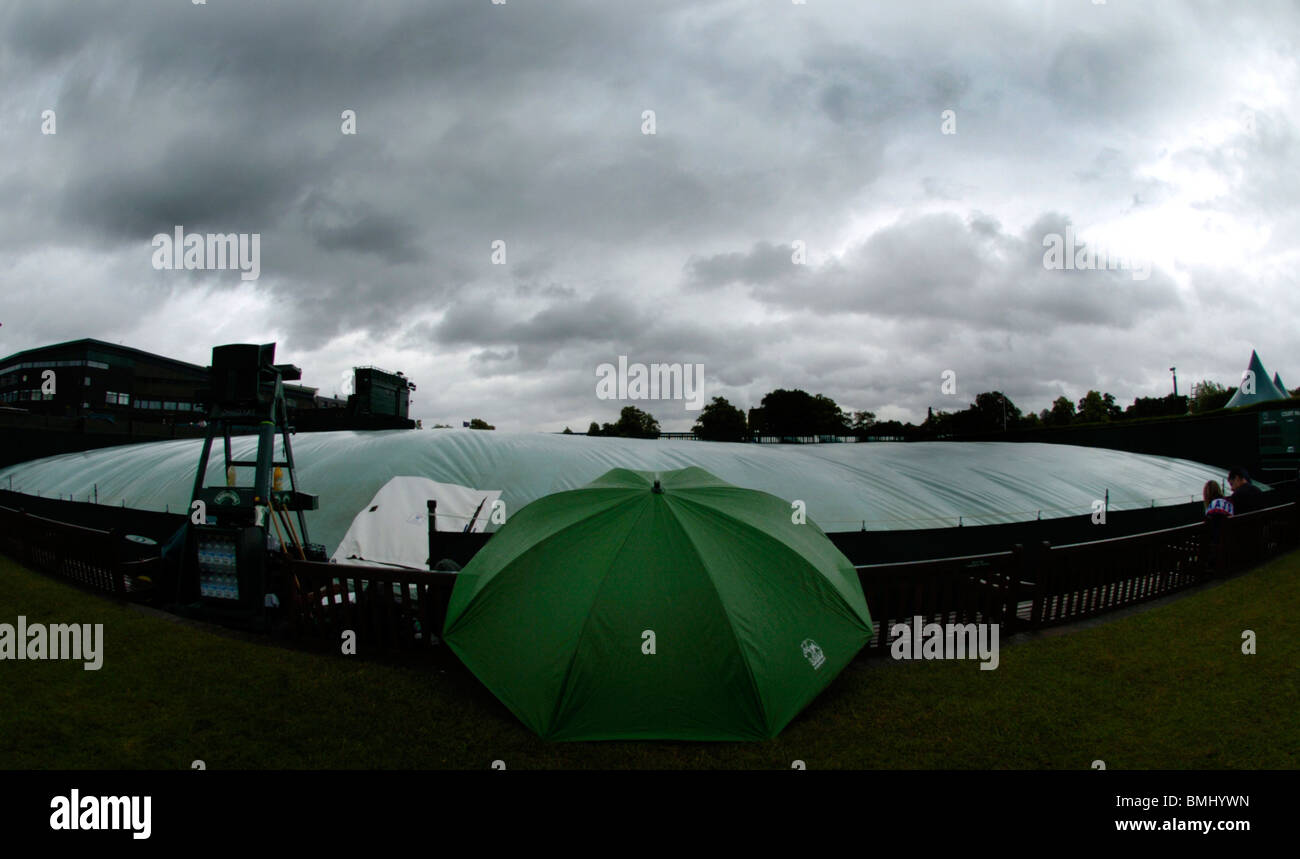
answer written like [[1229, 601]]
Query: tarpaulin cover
[[887, 485]]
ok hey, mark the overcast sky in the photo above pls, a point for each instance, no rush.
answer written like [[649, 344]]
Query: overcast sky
[[1162, 134]]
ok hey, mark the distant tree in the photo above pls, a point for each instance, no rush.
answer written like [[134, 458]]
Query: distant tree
[[1157, 407], [634, 423], [991, 412], [863, 421], [828, 418], [1062, 413], [721, 421], [567, 431], [798, 413], [786, 413], [892, 429], [1030, 420], [479, 423], [996, 410], [1208, 396], [937, 424], [594, 429], [1096, 407]]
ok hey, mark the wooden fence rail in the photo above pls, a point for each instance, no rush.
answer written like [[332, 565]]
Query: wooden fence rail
[[972, 589], [1032, 587], [1026, 588], [88, 556], [387, 608]]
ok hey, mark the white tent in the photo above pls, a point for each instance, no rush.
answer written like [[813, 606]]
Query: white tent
[[393, 528]]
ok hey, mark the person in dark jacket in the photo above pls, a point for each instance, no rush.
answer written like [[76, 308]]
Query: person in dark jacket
[[1246, 496]]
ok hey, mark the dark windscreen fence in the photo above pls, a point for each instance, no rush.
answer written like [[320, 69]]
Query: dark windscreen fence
[[1034, 582], [108, 560], [881, 547], [1262, 438], [153, 525], [1041, 585], [860, 547], [886, 547]]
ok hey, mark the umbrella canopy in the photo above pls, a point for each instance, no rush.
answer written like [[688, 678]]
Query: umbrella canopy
[[657, 606]]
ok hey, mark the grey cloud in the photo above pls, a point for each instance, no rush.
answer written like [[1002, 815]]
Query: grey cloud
[[941, 267], [521, 122]]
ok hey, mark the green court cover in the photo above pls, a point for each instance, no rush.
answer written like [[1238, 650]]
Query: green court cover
[[878, 486], [650, 605]]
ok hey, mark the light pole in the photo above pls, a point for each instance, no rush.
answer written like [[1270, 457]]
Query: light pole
[[1174, 370]]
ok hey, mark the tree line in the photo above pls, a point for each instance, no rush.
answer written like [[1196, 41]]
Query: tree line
[[798, 414]]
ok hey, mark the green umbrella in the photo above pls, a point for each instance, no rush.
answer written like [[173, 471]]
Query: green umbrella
[[669, 606]]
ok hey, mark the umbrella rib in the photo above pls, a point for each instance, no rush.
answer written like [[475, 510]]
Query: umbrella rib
[[845, 604], [478, 595], [568, 670], [740, 648]]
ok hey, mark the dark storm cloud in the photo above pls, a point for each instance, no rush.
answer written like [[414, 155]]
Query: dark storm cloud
[[199, 183], [600, 318], [584, 333], [521, 123], [764, 263], [940, 267], [861, 90], [339, 230]]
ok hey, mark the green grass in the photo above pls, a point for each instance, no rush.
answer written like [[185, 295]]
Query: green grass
[[1164, 688]]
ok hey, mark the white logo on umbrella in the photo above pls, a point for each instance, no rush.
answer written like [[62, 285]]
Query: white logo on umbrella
[[812, 653]]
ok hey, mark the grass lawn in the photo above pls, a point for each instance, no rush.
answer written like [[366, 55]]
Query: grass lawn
[[1165, 688]]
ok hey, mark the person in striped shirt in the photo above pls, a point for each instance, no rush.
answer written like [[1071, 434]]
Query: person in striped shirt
[[1217, 509]]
